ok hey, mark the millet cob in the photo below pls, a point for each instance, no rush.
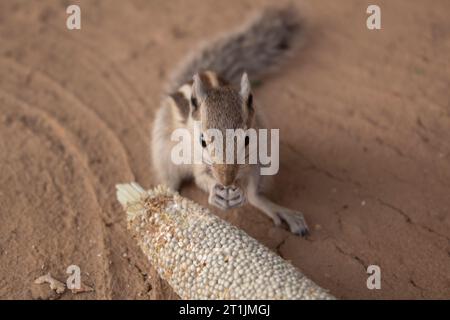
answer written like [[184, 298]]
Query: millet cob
[[203, 257]]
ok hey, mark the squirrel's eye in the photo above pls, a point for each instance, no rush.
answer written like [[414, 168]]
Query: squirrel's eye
[[247, 140], [202, 141]]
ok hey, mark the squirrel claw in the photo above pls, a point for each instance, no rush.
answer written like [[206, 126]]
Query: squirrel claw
[[237, 202], [295, 221], [226, 197]]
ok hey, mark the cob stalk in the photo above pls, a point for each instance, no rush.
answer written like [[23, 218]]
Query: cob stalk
[[203, 257]]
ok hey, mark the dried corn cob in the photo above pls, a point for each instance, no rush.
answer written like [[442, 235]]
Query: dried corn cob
[[204, 257]]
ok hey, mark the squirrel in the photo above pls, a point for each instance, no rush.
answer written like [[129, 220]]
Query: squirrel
[[211, 89]]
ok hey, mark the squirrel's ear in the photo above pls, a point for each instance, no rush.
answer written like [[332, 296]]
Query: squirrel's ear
[[198, 91], [246, 91]]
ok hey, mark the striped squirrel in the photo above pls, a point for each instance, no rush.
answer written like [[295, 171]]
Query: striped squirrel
[[211, 89]]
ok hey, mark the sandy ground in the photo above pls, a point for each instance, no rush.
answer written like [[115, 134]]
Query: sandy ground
[[365, 128]]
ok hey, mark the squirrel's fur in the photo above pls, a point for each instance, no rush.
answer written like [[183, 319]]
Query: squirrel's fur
[[205, 93], [257, 47]]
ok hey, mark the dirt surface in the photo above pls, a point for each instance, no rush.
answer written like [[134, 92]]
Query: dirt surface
[[365, 153]]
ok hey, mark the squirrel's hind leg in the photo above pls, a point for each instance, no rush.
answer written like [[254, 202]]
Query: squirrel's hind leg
[[294, 219]]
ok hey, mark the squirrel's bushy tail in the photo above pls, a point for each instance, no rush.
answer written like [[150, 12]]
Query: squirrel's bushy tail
[[256, 48]]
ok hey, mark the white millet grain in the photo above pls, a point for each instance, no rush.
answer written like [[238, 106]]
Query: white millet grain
[[203, 257]]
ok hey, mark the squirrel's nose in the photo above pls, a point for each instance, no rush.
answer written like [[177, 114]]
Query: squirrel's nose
[[225, 173]]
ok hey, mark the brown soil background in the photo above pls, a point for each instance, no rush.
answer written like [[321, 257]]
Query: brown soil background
[[365, 130]]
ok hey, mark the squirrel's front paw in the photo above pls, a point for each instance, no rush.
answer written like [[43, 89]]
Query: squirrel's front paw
[[226, 197]]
